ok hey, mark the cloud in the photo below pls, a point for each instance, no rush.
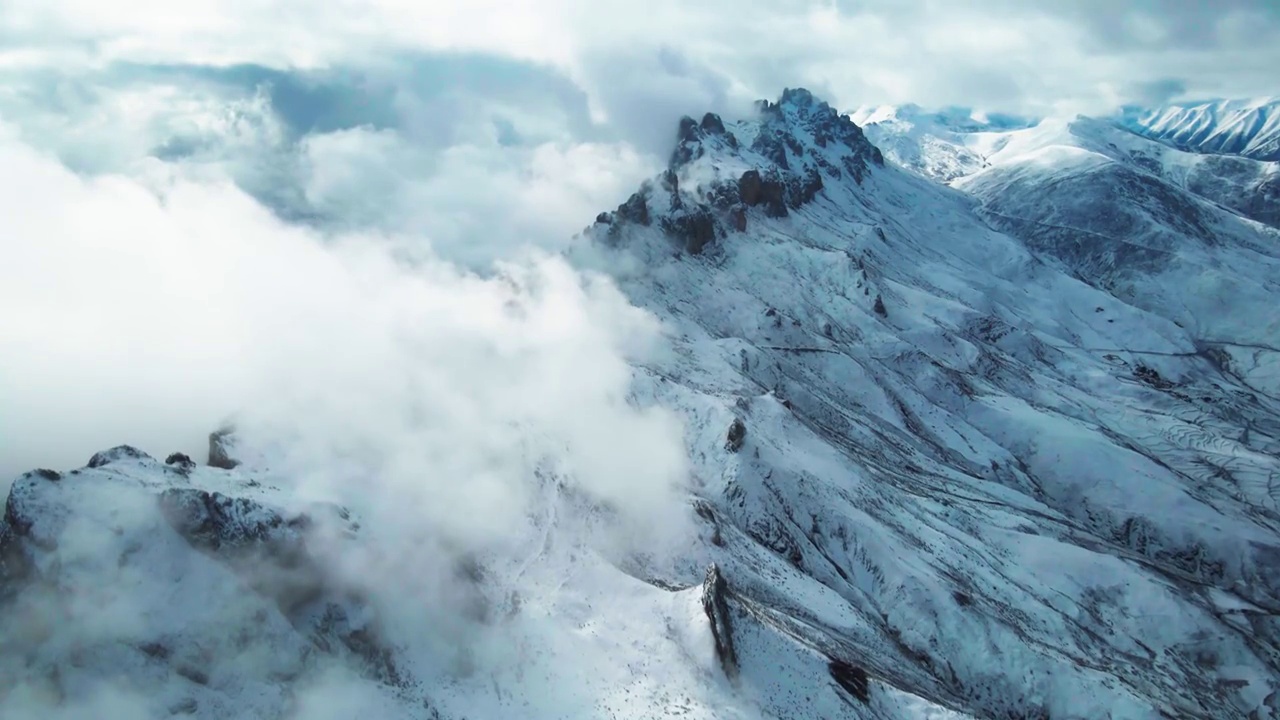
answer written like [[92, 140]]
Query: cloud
[[150, 312], [445, 407], [992, 54]]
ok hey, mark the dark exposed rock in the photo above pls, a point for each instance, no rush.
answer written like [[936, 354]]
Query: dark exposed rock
[[797, 96], [1151, 377], [794, 145], [47, 474], [723, 195], [181, 461], [737, 435], [751, 188], [962, 599], [635, 210], [879, 307], [807, 188], [772, 148], [695, 230], [688, 143], [708, 513], [220, 445], [688, 129], [789, 177], [853, 679], [773, 195], [827, 167], [119, 452], [715, 604], [214, 522]]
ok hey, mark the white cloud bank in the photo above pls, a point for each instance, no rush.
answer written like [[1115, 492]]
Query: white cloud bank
[[994, 54], [148, 313]]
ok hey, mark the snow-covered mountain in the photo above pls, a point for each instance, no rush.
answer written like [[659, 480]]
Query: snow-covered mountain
[[1007, 447], [932, 143], [1237, 127]]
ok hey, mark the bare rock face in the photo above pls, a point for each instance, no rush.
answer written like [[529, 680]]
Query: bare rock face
[[715, 604], [712, 124], [221, 443], [787, 172], [695, 230], [737, 436], [851, 679]]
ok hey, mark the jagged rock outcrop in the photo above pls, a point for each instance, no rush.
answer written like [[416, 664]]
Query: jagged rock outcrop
[[221, 445], [694, 229], [736, 436], [796, 143], [715, 603]]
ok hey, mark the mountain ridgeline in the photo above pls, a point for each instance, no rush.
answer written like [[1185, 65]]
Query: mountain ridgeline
[[983, 421]]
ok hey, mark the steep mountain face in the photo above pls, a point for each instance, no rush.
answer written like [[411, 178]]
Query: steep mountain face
[[1250, 128], [936, 416], [1000, 449], [1189, 236]]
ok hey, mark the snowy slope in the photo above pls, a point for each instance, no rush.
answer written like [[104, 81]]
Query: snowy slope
[[933, 144], [1190, 236], [1005, 477], [1233, 127], [937, 471], [939, 147]]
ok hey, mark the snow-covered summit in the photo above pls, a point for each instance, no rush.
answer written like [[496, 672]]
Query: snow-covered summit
[[1250, 128], [777, 161]]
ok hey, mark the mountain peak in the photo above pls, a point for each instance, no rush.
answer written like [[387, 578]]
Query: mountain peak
[[1249, 128], [720, 173]]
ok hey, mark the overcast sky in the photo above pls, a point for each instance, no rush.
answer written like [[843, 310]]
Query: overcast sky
[[463, 132]]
